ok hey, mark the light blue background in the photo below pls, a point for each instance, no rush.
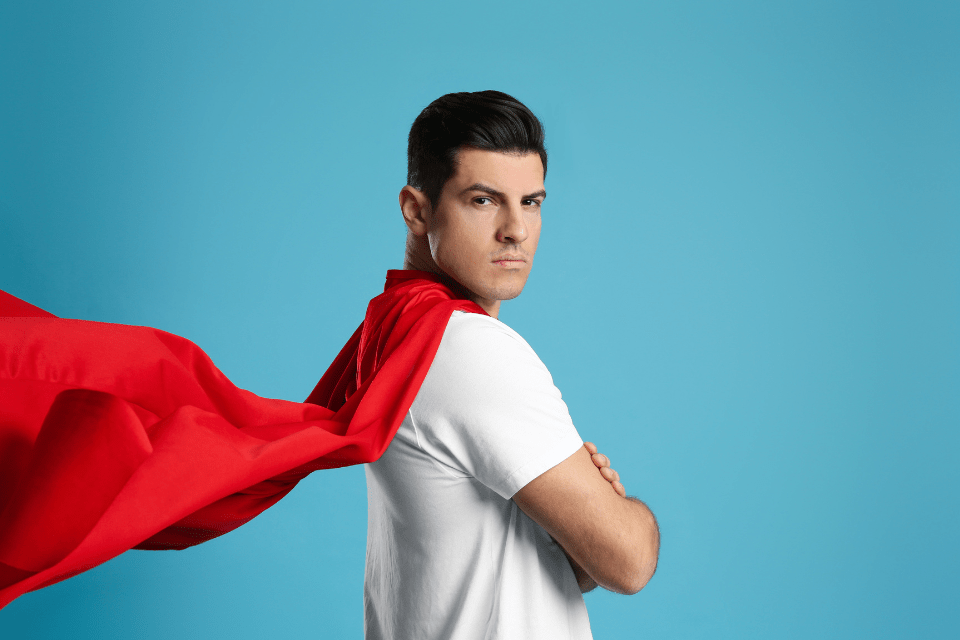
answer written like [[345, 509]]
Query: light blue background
[[748, 287]]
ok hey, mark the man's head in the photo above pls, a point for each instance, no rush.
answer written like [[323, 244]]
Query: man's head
[[488, 120], [476, 164]]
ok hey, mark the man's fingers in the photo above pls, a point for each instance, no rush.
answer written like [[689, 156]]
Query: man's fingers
[[603, 464], [609, 474]]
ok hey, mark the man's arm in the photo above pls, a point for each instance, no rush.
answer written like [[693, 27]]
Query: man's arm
[[584, 581], [614, 540]]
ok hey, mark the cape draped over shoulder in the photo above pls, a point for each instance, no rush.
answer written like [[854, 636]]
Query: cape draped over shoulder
[[115, 437]]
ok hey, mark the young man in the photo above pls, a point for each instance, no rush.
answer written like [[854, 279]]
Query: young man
[[488, 516]]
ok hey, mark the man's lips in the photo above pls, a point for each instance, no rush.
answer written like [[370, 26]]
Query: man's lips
[[509, 260]]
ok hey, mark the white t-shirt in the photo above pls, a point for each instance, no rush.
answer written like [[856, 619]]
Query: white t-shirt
[[449, 554]]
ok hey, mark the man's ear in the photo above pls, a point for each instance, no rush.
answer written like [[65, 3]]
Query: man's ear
[[415, 207]]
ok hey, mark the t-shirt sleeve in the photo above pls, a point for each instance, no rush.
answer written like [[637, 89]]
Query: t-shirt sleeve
[[488, 407]]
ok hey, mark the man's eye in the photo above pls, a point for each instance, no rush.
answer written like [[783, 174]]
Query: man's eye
[[482, 200], [531, 203]]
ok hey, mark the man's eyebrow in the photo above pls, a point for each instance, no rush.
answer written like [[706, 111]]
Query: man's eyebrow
[[479, 186]]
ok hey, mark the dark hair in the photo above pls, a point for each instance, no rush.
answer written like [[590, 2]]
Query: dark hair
[[489, 120]]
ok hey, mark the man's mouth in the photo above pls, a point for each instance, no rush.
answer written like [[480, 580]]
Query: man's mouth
[[510, 257], [509, 261]]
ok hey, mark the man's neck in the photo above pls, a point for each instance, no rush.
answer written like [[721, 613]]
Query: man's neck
[[413, 261]]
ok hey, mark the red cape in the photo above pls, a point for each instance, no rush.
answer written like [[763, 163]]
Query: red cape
[[115, 437]]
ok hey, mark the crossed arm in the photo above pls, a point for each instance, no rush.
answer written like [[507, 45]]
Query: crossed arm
[[611, 540]]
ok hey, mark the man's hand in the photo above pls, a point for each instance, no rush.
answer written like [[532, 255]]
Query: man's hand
[[603, 464]]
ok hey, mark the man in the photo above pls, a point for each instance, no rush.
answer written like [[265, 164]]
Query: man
[[487, 514]]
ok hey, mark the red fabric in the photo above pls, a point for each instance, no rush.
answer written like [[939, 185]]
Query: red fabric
[[115, 437]]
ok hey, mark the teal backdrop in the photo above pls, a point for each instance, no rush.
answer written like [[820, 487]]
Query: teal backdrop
[[748, 285]]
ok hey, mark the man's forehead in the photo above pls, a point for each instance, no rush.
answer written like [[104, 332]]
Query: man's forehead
[[518, 169]]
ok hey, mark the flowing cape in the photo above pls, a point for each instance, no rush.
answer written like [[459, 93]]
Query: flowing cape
[[115, 437]]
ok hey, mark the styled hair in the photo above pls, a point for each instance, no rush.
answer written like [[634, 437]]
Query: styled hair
[[489, 120]]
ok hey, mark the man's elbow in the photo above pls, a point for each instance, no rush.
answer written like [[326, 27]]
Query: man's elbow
[[633, 567], [633, 575], [640, 576]]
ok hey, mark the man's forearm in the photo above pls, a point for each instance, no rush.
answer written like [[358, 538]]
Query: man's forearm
[[584, 581], [614, 538], [587, 583]]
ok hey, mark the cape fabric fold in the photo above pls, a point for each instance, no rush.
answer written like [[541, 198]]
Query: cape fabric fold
[[115, 437]]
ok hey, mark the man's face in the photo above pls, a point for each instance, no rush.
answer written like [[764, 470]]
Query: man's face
[[484, 230]]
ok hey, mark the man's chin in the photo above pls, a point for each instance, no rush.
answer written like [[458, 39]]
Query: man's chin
[[504, 292], [497, 291]]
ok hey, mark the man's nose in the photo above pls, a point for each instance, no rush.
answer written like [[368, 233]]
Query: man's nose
[[512, 228]]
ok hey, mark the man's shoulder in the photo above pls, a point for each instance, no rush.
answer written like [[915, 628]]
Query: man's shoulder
[[481, 359], [488, 407], [478, 334]]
